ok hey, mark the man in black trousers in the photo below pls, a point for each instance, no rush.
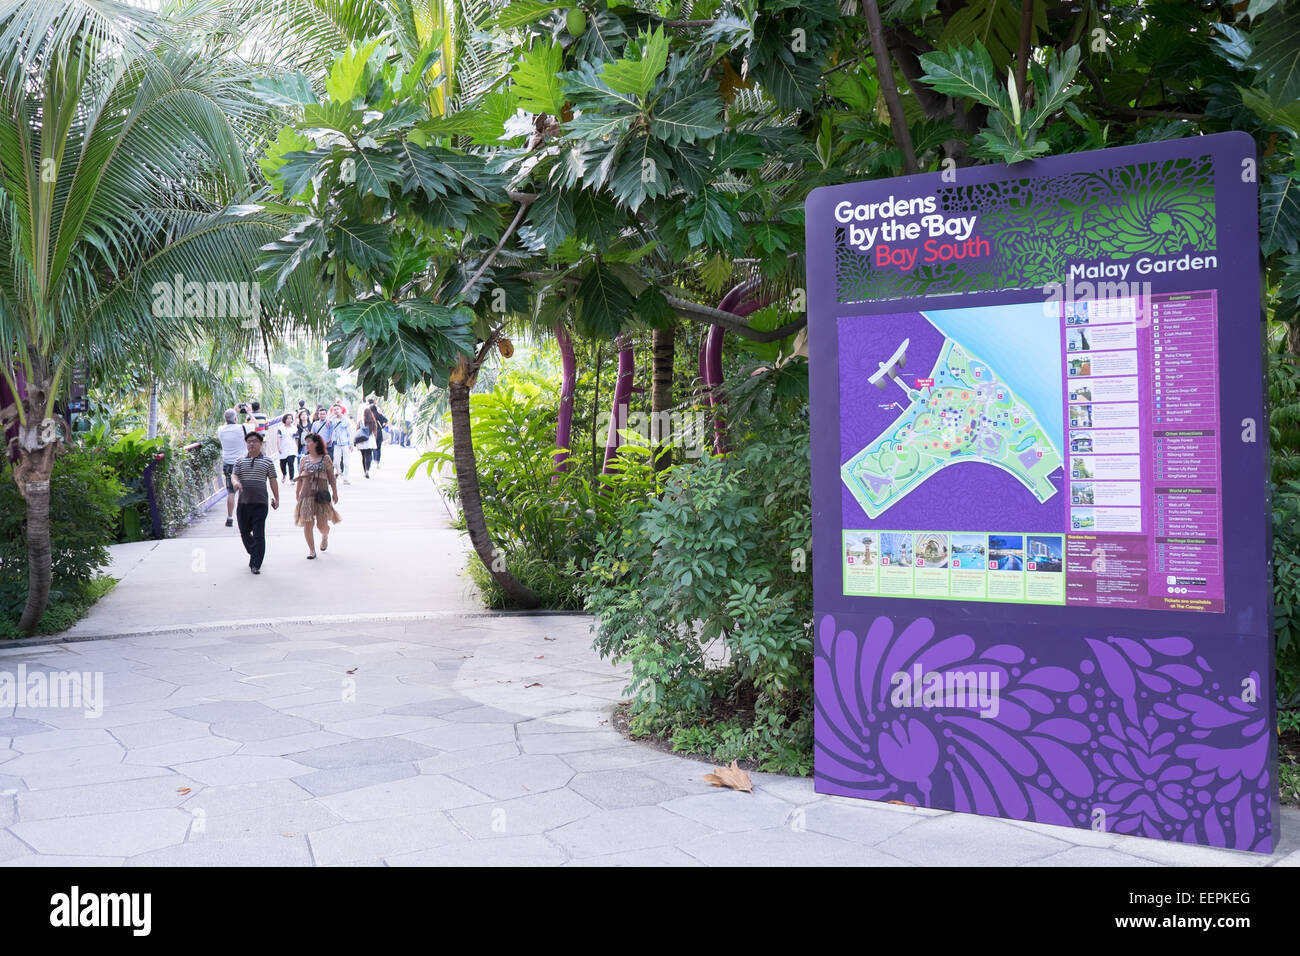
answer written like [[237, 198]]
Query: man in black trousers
[[250, 477]]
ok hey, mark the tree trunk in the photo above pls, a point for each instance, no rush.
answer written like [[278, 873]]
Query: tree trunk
[[618, 410], [663, 347], [471, 502], [35, 488], [38, 440], [568, 384]]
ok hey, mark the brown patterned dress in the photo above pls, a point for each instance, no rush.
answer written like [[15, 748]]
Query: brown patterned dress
[[313, 477]]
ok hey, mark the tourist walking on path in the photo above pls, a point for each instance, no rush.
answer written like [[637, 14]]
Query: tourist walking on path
[[251, 475], [377, 429], [286, 441], [304, 426], [231, 436], [318, 493], [367, 439], [343, 447], [325, 428]]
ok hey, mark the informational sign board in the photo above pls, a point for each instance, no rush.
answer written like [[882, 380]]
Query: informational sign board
[[1042, 572]]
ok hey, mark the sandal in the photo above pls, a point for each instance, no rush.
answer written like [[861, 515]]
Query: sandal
[[311, 557]]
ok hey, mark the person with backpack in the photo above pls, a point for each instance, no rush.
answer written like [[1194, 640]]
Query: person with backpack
[[367, 438], [342, 446], [231, 435], [378, 429], [258, 417], [284, 440], [324, 427]]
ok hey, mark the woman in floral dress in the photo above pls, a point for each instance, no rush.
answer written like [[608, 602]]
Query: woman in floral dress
[[317, 494]]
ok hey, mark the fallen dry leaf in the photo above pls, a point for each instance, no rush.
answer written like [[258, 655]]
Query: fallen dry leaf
[[182, 789], [353, 671], [732, 777], [548, 638], [539, 657], [534, 684]]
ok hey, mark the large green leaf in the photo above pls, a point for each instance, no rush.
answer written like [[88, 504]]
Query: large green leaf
[[289, 89], [637, 70], [1285, 115], [1279, 213], [288, 141], [519, 13], [642, 171], [551, 218], [375, 171], [536, 79], [344, 82], [364, 245], [688, 112], [966, 72], [1276, 36], [604, 303], [1054, 87], [297, 169]]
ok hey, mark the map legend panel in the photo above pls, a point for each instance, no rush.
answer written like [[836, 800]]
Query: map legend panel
[[1090, 426]]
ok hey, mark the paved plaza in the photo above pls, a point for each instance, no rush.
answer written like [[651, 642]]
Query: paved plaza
[[235, 732]]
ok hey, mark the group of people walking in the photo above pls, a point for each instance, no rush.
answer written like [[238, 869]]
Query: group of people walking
[[312, 449]]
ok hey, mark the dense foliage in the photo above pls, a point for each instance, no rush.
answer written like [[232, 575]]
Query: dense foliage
[[705, 591], [84, 512]]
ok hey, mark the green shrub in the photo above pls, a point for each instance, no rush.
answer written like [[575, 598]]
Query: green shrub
[[84, 510], [181, 482], [545, 523], [705, 593], [1284, 437], [128, 455]]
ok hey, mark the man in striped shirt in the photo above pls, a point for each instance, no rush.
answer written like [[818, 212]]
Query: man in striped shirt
[[250, 476]]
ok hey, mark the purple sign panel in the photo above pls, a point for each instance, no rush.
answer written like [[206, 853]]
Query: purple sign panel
[[1041, 563]]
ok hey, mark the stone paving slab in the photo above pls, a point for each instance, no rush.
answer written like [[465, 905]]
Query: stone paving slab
[[420, 743]]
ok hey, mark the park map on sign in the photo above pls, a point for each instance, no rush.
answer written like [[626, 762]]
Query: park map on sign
[[963, 412]]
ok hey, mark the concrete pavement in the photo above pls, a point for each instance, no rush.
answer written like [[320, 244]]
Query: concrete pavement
[[359, 710], [451, 740]]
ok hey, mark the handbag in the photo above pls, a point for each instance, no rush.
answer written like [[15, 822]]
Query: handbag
[[362, 435], [322, 496]]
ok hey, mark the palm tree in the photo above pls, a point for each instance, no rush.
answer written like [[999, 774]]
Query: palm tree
[[123, 154]]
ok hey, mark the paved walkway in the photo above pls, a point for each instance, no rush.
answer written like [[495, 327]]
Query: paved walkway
[[394, 552], [439, 735]]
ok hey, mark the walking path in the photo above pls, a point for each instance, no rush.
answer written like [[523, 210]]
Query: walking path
[[394, 552], [440, 735]]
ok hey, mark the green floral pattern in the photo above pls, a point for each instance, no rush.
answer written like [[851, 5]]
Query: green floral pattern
[[1038, 226]]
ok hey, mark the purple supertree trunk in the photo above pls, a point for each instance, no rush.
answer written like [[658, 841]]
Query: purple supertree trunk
[[622, 395], [568, 383], [739, 302]]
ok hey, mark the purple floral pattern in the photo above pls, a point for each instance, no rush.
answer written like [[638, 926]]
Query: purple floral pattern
[[1142, 734]]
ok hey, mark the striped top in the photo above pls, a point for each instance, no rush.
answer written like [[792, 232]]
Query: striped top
[[253, 474]]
